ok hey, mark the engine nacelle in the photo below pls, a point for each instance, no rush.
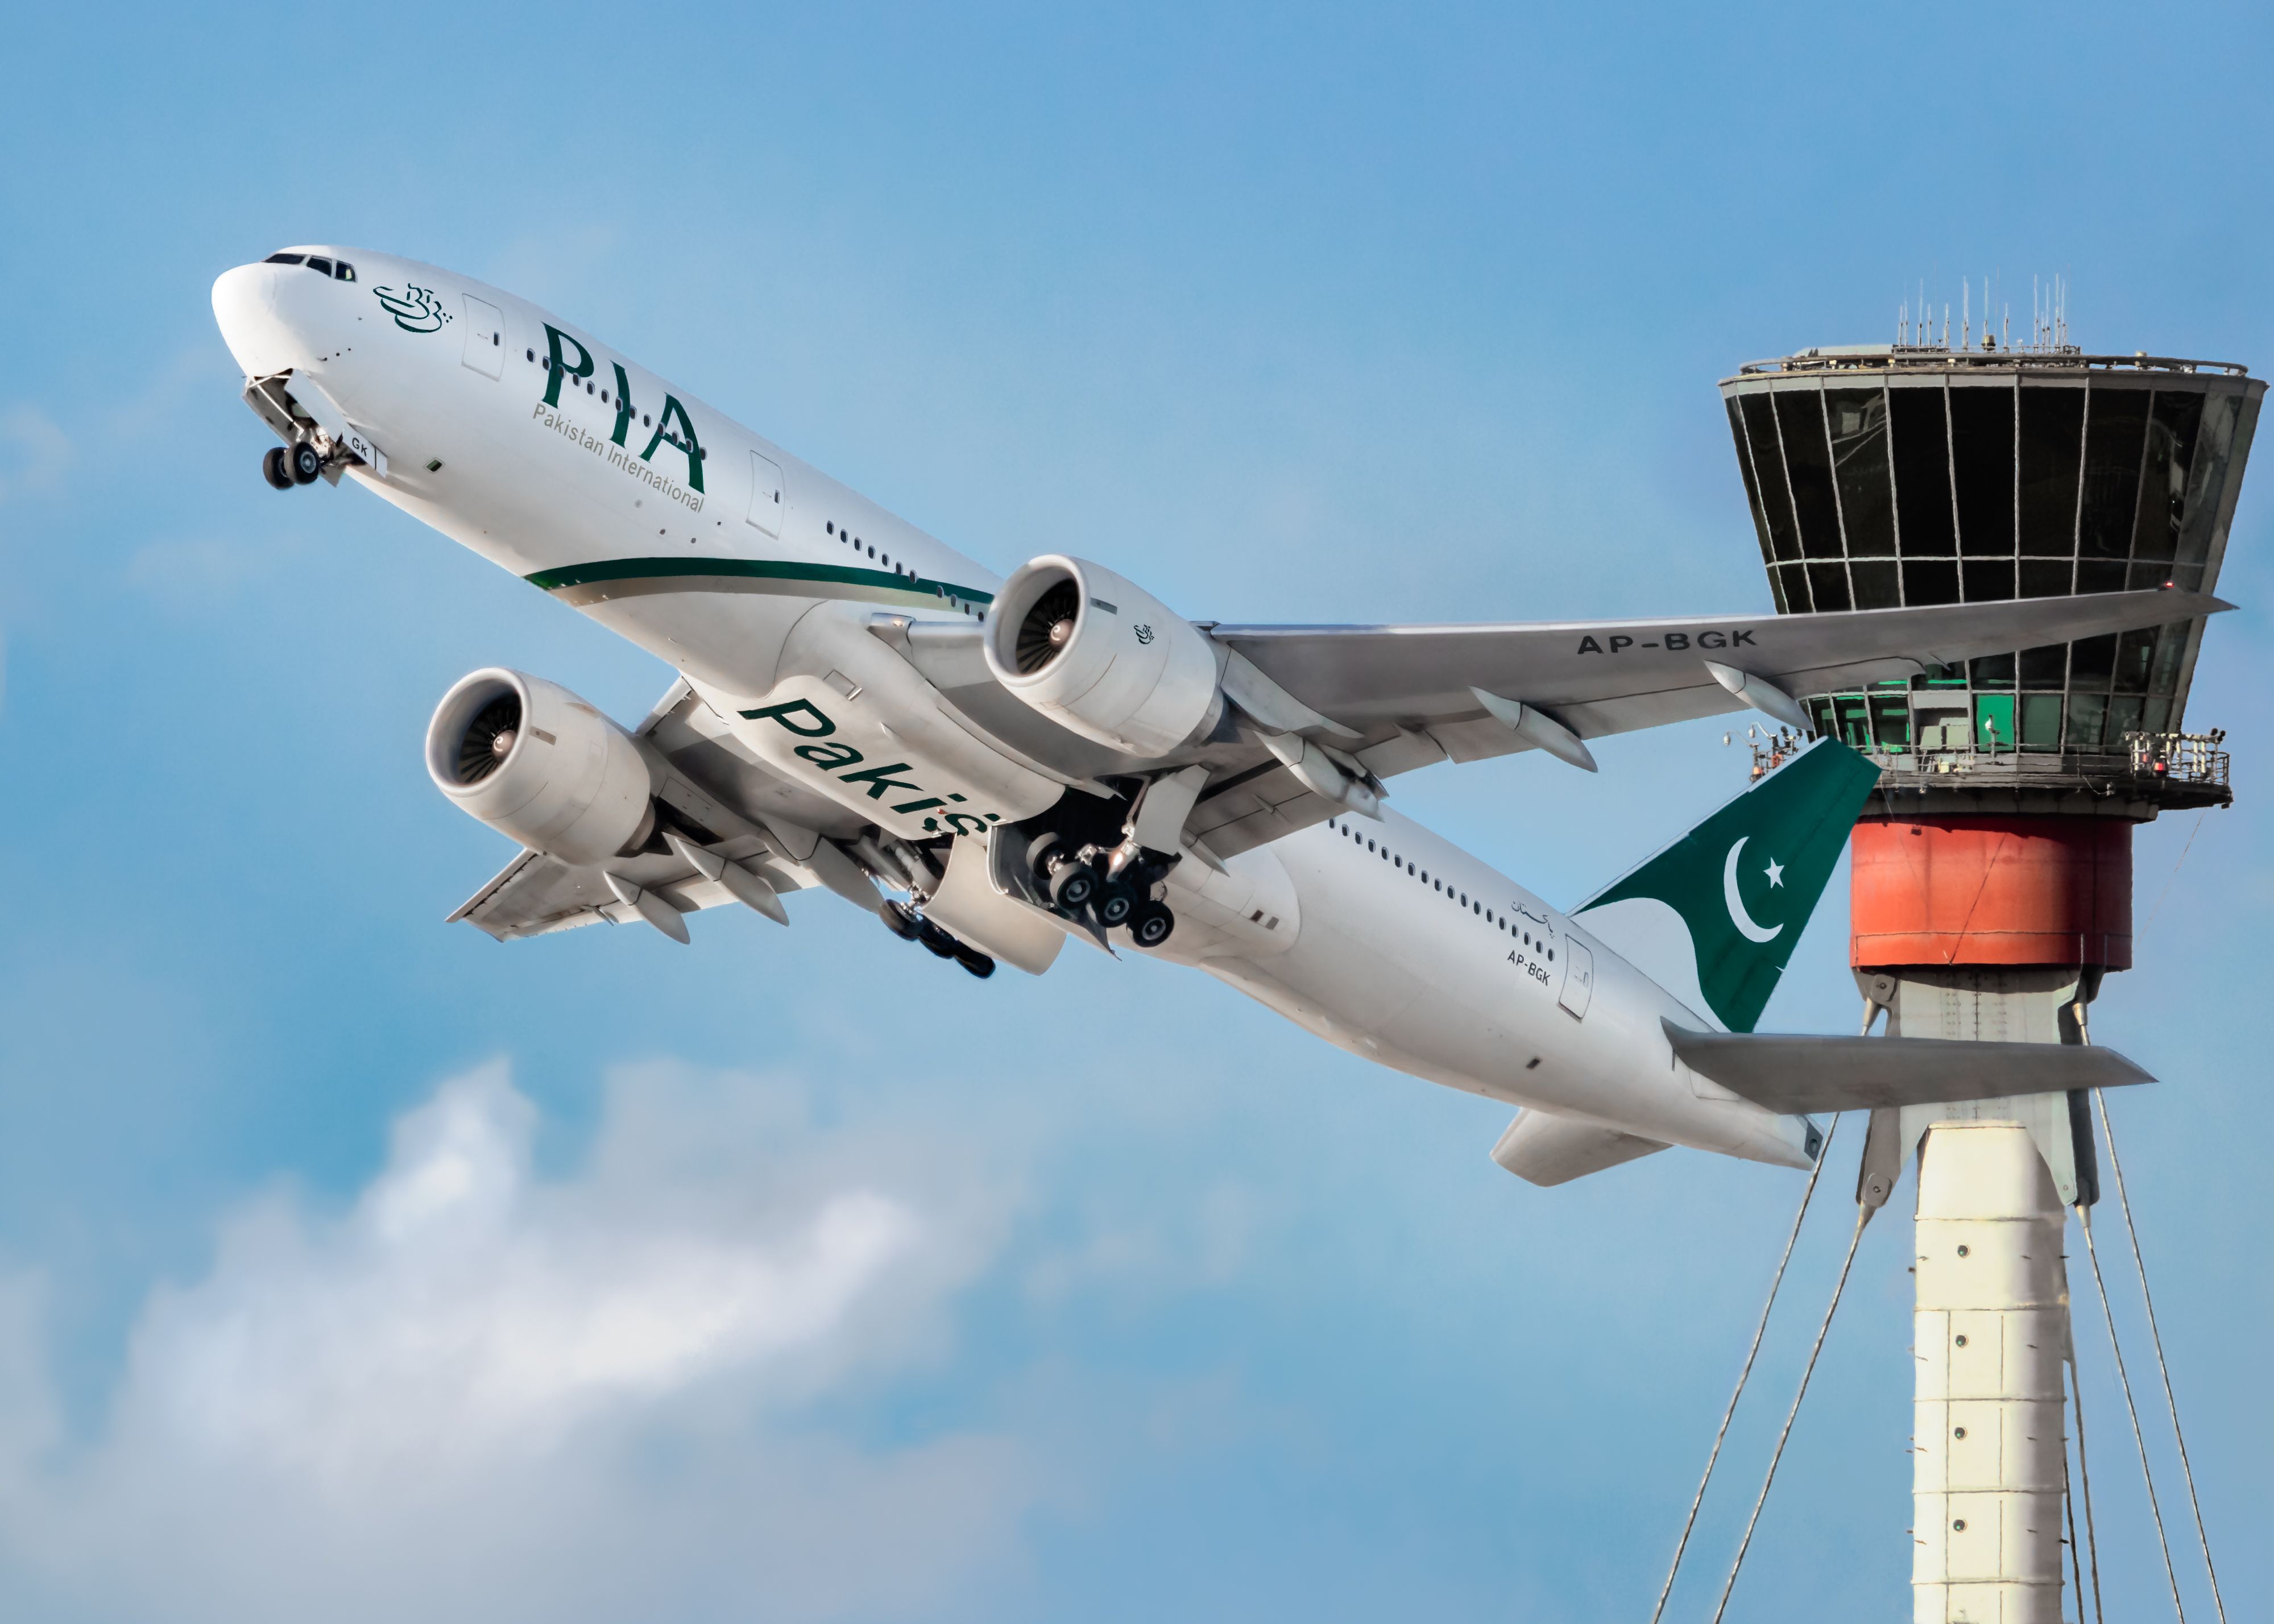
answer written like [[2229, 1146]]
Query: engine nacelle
[[1103, 657], [530, 759]]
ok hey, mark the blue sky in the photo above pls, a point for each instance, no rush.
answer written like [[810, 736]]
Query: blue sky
[[351, 1264]]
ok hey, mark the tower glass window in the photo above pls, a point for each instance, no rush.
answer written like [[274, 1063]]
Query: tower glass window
[[1919, 476]]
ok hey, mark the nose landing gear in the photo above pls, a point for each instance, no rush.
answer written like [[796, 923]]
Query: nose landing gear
[[298, 463]]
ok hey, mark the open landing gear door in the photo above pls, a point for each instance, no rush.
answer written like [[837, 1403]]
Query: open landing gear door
[[969, 903]]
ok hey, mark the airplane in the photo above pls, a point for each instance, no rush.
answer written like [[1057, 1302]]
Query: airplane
[[994, 766]]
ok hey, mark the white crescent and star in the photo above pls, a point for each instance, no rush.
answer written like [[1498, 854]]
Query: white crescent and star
[[1735, 904]]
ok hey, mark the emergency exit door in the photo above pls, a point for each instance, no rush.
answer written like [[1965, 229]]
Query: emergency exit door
[[1579, 978]]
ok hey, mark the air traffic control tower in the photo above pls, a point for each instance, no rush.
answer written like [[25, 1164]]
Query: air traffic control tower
[[1991, 886], [1888, 474]]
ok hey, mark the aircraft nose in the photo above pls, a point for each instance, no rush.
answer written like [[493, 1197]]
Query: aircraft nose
[[244, 307]]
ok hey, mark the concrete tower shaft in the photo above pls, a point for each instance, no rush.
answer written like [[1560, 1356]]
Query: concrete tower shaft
[[1990, 1336]]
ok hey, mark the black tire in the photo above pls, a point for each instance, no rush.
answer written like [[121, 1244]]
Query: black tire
[[936, 940], [899, 920], [274, 470], [1115, 905], [978, 963], [305, 461], [1150, 924], [1072, 885]]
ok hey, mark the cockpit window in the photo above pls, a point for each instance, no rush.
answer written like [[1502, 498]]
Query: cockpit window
[[343, 271], [283, 258], [318, 264]]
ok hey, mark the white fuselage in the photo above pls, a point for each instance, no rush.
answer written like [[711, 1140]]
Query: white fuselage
[[755, 576]]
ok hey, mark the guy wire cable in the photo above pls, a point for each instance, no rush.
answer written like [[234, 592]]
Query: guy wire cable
[[1862, 1216], [2124, 1380], [1776, 1280], [2083, 1474], [2187, 1470]]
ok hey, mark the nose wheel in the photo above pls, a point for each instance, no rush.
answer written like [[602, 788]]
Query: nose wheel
[[286, 466]]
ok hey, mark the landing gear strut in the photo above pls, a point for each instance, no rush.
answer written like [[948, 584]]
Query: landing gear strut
[[1085, 885]]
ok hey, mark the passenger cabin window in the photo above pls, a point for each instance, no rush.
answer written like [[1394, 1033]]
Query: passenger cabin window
[[320, 265], [283, 258]]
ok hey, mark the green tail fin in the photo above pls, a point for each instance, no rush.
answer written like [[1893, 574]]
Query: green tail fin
[[1715, 916]]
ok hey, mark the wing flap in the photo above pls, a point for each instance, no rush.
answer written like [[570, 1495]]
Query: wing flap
[[535, 895]]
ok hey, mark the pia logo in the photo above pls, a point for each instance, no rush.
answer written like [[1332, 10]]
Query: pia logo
[[1144, 633], [415, 309]]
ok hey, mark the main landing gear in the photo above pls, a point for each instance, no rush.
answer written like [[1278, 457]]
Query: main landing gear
[[286, 466], [1089, 884], [910, 925]]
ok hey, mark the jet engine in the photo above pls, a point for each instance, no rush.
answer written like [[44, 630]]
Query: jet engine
[[530, 759], [1100, 655]]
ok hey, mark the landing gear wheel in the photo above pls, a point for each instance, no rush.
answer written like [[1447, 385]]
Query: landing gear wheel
[[1149, 925], [1114, 907], [971, 960], [274, 470], [899, 921], [1072, 885], [305, 461], [936, 940]]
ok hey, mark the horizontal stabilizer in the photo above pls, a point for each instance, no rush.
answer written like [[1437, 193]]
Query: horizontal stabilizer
[[1796, 1074], [1548, 1149]]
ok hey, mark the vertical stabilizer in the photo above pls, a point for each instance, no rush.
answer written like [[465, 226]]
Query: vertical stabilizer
[[1715, 917]]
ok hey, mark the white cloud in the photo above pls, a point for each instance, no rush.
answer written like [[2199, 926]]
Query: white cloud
[[483, 1393]]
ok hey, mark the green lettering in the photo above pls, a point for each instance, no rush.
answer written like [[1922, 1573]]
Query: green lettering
[[692, 447], [826, 756], [822, 728], [919, 806], [878, 779], [623, 404], [556, 366]]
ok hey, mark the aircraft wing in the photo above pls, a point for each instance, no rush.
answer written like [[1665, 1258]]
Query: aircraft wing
[[1403, 696], [762, 834], [1599, 677]]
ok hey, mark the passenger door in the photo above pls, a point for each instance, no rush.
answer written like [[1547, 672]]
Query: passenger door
[[485, 338], [765, 493]]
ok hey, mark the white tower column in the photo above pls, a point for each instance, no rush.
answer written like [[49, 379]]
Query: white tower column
[[1991, 1336]]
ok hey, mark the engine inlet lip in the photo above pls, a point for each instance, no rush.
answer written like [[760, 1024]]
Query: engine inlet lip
[[1007, 618], [454, 721]]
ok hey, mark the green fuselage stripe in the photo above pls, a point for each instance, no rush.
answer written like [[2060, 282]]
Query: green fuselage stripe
[[751, 569]]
